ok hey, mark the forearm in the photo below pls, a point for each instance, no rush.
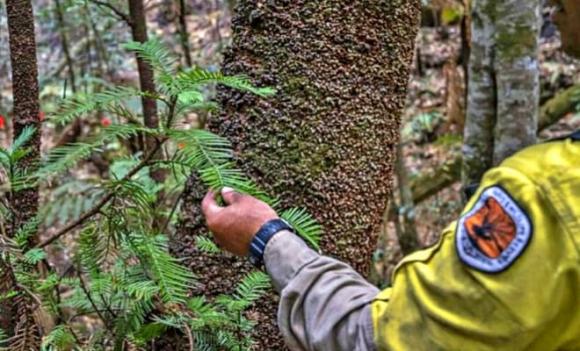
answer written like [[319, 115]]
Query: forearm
[[324, 302]]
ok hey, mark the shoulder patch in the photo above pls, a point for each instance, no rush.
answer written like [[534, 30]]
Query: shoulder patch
[[494, 233]]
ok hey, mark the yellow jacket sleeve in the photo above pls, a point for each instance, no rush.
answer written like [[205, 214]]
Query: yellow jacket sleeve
[[506, 275]]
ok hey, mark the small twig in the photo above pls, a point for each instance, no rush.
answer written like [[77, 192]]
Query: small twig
[[239, 330], [97, 208], [29, 293], [189, 336], [90, 298], [173, 209], [123, 16], [6, 203], [171, 113], [75, 336]]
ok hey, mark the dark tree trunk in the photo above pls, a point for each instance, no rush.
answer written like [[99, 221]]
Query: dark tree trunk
[[26, 104], [17, 312], [184, 33], [327, 140], [146, 76]]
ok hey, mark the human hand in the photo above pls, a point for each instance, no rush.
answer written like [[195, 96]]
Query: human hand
[[235, 225]]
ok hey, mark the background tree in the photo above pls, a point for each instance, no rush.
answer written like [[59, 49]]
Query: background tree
[[138, 25], [327, 140], [503, 96], [17, 312]]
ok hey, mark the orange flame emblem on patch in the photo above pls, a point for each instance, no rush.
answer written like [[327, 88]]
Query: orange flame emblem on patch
[[491, 229]]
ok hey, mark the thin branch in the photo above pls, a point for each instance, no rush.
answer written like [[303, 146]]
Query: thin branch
[[30, 293], [171, 113], [173, 209], [189, 336], [90, 298], [97, 208], [123, 16]]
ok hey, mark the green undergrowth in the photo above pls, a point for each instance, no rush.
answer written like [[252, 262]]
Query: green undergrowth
[[121, 273]]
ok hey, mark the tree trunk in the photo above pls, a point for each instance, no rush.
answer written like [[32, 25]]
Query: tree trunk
[[146, 75], [26, 104], [138, 25], [327, 140], [503, 85], [184, 33], [65, 45], [16, 313], [407, 231]]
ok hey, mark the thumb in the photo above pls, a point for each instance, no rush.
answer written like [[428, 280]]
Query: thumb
[[209, 206], [230, 195]]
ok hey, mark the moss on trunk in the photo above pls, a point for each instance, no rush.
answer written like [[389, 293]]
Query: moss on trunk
[[503, 97], [327, 140]]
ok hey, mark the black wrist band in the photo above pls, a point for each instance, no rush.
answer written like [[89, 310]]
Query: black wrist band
[[260, 240]]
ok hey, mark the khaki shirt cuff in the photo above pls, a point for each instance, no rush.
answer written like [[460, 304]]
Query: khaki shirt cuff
[[285, 255]]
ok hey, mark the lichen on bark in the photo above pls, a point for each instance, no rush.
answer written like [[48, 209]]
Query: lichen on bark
[[503, 95], [326, 141]]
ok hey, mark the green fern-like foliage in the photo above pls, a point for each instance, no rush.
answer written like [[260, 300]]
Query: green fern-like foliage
[[206, 245], [82, 105], [59, 338], [304, 224], [122, 273]]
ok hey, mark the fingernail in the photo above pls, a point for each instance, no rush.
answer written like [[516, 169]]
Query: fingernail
[[227, 189]]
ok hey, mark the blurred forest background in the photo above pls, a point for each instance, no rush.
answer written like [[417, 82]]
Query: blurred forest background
[[115, 255]]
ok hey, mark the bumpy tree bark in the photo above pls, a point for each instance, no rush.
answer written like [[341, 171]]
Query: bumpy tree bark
[[503, 83], [16, 313], [327, 140], [25, 90]]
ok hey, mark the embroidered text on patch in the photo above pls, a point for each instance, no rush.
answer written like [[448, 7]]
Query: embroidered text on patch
[[494, 233]]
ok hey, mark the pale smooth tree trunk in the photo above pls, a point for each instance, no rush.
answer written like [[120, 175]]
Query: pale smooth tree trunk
[[503, 97]]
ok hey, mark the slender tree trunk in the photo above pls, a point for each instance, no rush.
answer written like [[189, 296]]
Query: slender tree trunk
[[183, 33], [16, 313], [327, 140], [146, 76], [65, 45], [26, 104], [71, 132], [503, 87], [407, 233]]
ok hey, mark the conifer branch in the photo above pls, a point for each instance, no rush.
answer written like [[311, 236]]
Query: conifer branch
[[123, 16], [92, 302], [97, 208]]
